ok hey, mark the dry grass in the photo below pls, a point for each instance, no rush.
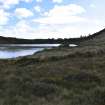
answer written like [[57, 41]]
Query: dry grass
[[63, 76]]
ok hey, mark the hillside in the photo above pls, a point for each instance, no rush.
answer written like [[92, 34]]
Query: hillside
[[58, 76], [97, 38]]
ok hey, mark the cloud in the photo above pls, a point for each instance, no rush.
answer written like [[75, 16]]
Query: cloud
[[21, 30], [66, 10], [54, 1], [59, 20], [22, 26], [92, 5], [64, 14], [23, 13], [4, 17], [55, 23], [37, 8], [57, 1], [39, 0], [24, 29], [7, 3]]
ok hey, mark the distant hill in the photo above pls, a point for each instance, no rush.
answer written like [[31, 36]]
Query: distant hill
[[96, 38], [10, 40]]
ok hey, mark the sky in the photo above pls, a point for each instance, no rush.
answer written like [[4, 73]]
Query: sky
[[35, 19]]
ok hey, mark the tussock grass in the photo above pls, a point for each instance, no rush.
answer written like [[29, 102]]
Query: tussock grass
[[59, 76]]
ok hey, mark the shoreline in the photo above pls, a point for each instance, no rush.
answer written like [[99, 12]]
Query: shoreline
[[54, 77]]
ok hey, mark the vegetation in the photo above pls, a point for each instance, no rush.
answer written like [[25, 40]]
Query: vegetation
[[58, 76]]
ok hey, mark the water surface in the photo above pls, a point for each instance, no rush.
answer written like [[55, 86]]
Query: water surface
[[17, 50]]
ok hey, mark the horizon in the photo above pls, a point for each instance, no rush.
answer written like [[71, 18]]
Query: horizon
[[55, 38], [43, 19]]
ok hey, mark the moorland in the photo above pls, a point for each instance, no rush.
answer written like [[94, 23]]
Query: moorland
[[59, 76]]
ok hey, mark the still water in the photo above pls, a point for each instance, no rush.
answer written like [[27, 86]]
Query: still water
[[17, 50]]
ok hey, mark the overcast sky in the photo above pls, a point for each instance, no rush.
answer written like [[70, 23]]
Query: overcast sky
[[51, 18]]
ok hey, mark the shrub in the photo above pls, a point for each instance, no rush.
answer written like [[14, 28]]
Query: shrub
[[82, 76], [64, 44], [43, 89]]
